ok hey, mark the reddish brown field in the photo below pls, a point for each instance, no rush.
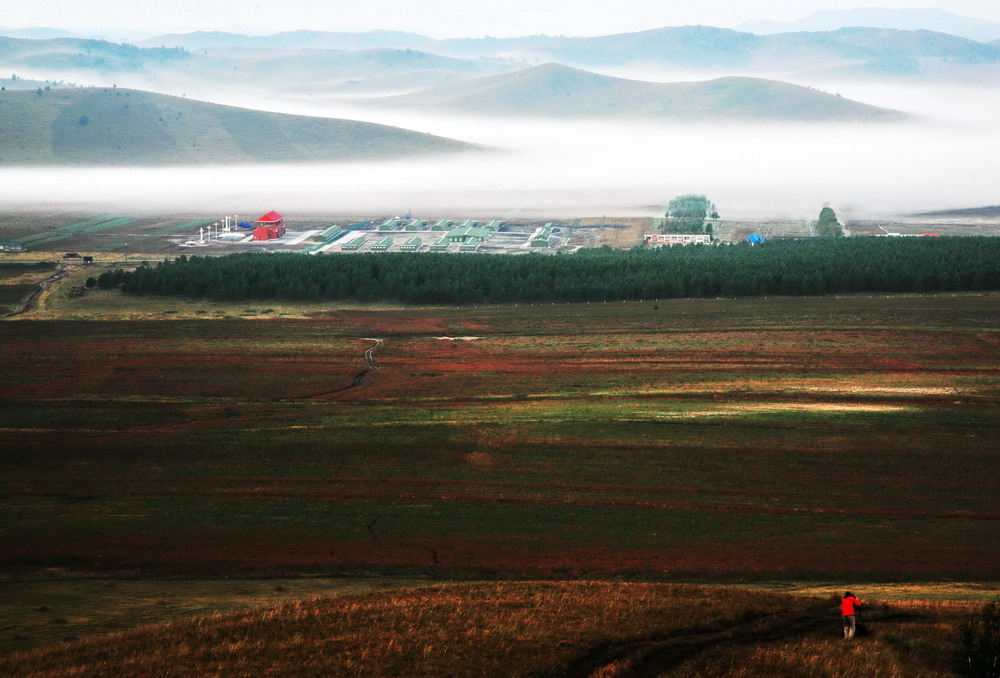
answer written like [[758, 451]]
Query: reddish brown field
[[557, 629], [843, 438]]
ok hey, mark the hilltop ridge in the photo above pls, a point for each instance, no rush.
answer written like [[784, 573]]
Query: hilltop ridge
[[116, 126], [560, 91]]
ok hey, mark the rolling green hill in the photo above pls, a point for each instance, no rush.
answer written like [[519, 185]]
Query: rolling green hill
[[552, 90], [113, 126]]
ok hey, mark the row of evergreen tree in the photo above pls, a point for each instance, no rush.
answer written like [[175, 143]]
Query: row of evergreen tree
[[804, 267]]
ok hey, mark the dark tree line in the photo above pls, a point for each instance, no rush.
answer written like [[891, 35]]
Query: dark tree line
[[806, 267]]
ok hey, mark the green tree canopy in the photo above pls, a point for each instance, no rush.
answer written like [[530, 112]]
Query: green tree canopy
[[686, 213], [827, 226], [790, 267]]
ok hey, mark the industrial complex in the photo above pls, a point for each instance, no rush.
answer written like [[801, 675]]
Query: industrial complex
[[400, 234]]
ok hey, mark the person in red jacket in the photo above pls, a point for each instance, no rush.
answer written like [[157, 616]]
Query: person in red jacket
[[848, 609]]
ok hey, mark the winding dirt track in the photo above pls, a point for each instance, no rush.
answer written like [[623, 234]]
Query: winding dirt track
[[655, 656], [370, 353], [32, 301], [359, 378]]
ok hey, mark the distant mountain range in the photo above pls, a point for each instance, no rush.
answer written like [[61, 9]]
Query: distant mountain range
[[552, 90], [43, 32], [932, 19], [304, 39], [683, 46], [232, 66], [383, 62], [49, 58], [703, 47], [909, 19], [115, 126]]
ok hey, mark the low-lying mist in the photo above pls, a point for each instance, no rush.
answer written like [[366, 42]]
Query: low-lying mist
[[942, 158]]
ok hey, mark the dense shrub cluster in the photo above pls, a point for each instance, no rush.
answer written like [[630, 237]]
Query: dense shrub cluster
[[980, 653], [807, 267]]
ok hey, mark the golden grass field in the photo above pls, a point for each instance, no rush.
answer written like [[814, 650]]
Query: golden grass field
[[585, 629], [520, 433]]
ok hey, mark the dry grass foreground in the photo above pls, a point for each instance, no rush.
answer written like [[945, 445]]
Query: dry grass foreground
[[573, 629]]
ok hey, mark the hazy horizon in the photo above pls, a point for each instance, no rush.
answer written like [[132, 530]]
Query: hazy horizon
[[441, 18]]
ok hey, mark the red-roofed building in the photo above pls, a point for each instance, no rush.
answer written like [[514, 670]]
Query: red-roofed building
[[269, 227]]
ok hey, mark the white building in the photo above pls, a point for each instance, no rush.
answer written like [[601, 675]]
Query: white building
[[678, 238]]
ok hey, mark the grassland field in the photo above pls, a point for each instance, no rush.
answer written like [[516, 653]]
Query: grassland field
[[827, 441]]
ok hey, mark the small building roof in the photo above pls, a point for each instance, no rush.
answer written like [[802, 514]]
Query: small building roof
[[469, 232], [271, 217]]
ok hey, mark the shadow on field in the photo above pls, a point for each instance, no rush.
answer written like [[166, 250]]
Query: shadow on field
[[651, 657]]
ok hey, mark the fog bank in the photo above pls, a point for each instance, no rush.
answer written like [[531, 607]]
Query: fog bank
[[574, 168]]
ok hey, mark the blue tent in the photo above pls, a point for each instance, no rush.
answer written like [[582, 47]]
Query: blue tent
[[755, 239]]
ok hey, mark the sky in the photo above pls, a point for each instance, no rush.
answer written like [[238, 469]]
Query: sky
[[437, 18]]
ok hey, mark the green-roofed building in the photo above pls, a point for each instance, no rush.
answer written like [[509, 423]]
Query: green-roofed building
[[542, 239], [467, 233], [383, 244], [331, 233]]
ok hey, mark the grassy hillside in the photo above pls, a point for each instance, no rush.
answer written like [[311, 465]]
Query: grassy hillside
[[587, 440], [574, 629], [101, 126], [560, 91]]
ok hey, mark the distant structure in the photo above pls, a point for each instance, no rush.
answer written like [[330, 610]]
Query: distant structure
[[910, 235], [12, 247], [269, 227], [678, 238]]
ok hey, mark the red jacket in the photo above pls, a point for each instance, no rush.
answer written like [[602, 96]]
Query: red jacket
[[848, 605]]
